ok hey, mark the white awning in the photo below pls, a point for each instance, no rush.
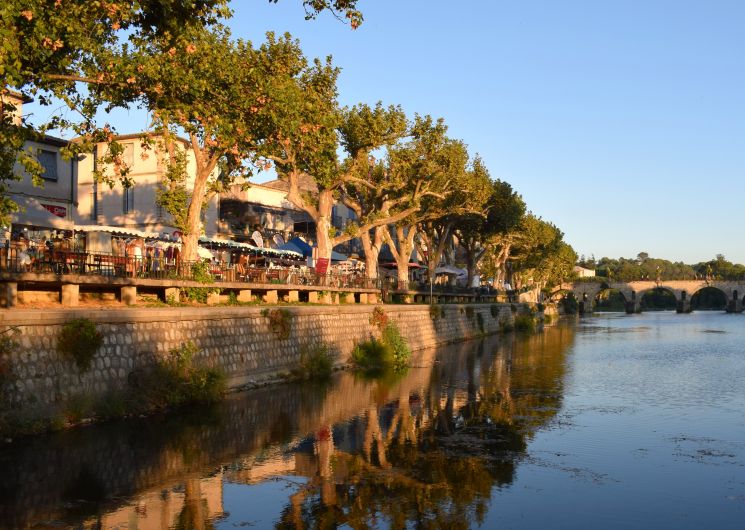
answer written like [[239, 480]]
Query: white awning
[[450, 269], [247, 246], [121, 230], [34, 214]]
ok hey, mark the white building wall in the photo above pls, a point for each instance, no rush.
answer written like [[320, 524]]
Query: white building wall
[[58, 188], [99, 203]]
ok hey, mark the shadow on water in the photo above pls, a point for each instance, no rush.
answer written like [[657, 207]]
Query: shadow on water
[[427, 448]]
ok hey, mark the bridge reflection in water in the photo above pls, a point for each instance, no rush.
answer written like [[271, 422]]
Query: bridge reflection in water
[[427, 445]]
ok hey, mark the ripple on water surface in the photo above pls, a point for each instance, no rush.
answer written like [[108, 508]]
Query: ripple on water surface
[[615, 422]]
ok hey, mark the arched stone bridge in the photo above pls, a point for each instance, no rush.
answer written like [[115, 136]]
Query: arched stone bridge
[[683, 290]]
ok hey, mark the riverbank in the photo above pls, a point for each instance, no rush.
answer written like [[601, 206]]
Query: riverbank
[[249, 345]]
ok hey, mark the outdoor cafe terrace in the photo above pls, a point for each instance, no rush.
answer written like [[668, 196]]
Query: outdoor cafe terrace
[[67, 276]]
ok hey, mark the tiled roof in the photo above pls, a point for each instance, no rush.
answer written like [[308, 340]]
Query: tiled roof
[[306, 184]]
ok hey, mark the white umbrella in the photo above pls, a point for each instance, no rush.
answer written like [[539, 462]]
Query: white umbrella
[[450, 269], [204, 253]]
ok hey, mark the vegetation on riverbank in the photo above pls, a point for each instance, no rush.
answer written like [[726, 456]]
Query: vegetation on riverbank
[[173, 381], [389, 353]]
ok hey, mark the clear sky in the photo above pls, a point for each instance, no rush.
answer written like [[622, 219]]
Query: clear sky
[[623, 122]]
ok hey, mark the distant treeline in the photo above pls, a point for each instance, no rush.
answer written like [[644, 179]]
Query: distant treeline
[[645, 268]]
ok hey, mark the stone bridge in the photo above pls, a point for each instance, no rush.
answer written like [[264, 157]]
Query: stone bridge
[[633, 291]]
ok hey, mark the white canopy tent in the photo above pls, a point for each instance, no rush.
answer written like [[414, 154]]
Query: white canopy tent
[[451, 270]]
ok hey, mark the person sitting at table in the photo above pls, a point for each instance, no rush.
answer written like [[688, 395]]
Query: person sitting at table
[[242, 267]]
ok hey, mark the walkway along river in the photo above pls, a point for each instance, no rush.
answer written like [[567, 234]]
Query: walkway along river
[[613, 422]]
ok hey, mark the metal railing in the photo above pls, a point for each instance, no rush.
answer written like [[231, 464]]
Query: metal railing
[[60, 262]]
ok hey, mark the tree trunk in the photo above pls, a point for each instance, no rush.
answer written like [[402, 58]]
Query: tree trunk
[[323, 224], [470, 267], [401, 250], [371, 245], [190, 240]]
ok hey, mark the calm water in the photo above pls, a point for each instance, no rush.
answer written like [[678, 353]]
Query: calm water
[[615, 422]]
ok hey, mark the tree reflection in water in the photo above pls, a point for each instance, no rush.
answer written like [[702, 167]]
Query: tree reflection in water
[[431, 456], [423, 449]]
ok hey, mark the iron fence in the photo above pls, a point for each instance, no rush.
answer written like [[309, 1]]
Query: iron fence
[[113, 266]]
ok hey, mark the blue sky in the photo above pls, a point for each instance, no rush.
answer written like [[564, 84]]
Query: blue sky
[[623, 122]]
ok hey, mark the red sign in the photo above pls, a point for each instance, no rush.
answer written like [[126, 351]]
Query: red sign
[[59, 211], [322, 265]]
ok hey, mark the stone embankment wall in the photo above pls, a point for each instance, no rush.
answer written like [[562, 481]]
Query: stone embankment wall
[[238, 340]]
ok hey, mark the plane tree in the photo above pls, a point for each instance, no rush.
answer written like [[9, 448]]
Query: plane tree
[[501, 212], [48, 48], [534, 252], [426, 169], [357, 132], [60, 53], [467, 198]]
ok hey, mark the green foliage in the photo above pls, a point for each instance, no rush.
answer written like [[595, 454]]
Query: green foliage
[[505, 326], [173, 195], [372, 356], [494, 310], [570, 304], [280, 322], [525, 323], [200, 272], [392, 337], [175, 381], [8, 345], [480, 321], [78, 341], [391, 352], [315, 363]]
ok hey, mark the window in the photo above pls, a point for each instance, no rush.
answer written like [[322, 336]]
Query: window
[[94, 210], [48, 160], [128, 155], [128, 195]]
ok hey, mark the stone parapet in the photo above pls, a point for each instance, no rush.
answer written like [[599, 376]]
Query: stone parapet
[[238, 340]]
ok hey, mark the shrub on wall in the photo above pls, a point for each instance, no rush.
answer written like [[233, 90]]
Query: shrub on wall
[[372, 355], [7, 346], [200, 272], [175, 380], [378, 318], [315, 363], [280, 322], [505, 326], [78, 341], [378, 356], [494, 309], [401, 352], [480, 321], [525, 323]]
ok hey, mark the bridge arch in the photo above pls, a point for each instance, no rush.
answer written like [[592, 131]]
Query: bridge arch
[[606, 292], [650, 299], [710, 297]]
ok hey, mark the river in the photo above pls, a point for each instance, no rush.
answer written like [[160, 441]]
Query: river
[[614, 421]]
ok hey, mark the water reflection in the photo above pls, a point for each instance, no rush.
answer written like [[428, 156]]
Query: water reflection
[[427, 448]]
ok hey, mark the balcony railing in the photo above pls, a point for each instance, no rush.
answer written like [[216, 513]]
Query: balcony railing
[[60, 262]]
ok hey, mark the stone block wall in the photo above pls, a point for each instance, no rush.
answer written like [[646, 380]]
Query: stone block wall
[[236, 339]]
